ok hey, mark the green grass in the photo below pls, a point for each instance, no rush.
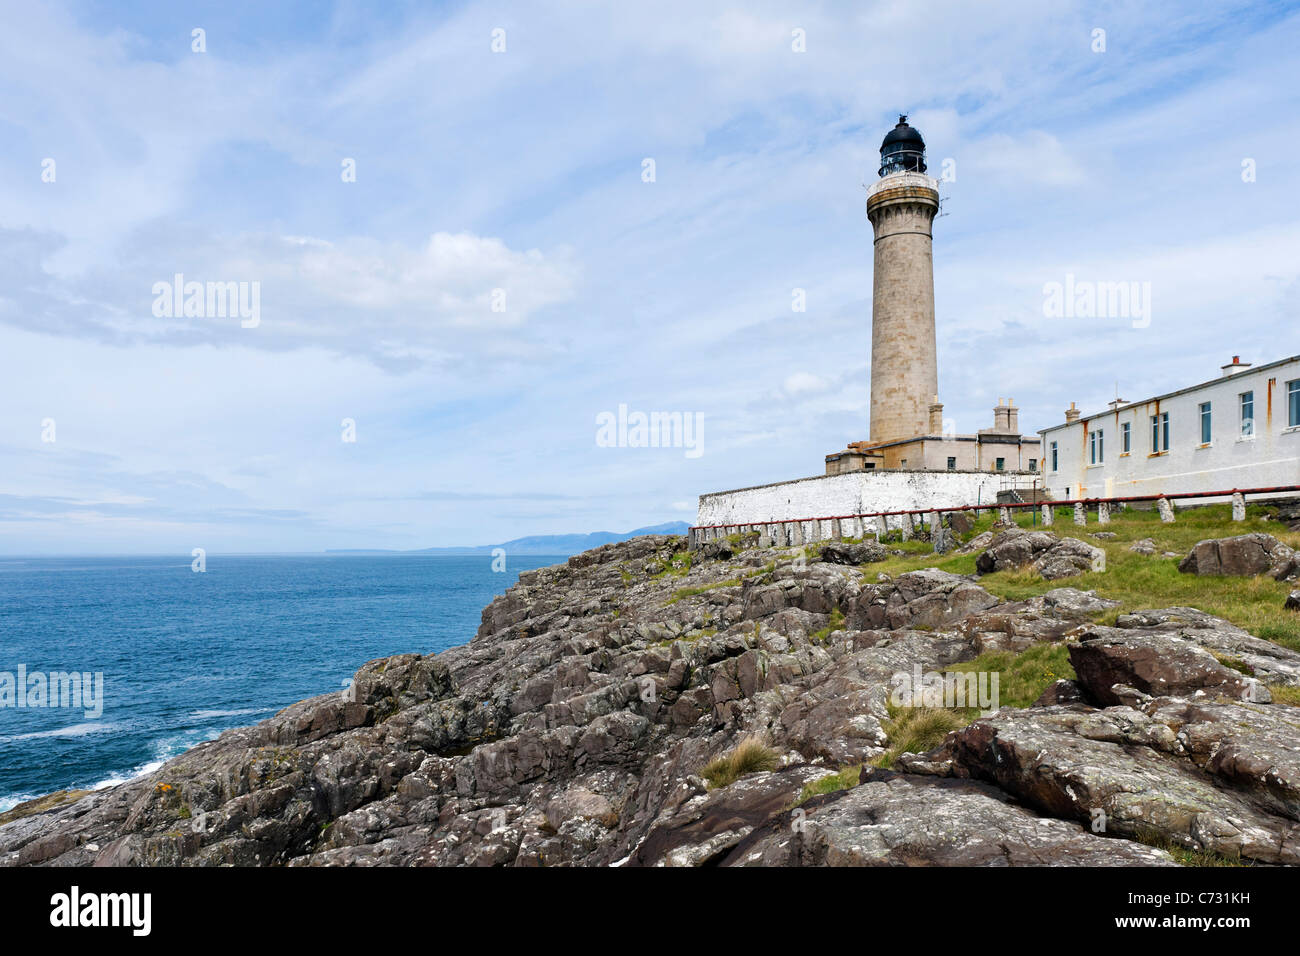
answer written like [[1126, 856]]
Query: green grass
[[1285, 695], [842, 779], [678, 566], [1138, 581], [689, 637], [750, 756], [918, 730], [1023, 677], [1183, 855], [681, 593], [836, 622]]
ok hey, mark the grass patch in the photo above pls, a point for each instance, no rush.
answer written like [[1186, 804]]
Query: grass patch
[[842, 779], [1138, 581], [688, 638], [1023, 677], [681, 593], [1234, 663], [678, 566], [1285, 695], [1183, 855], [750, 756], [919, 729], [836, 622]]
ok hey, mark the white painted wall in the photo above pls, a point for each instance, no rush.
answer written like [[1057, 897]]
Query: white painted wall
[[1270, 458], [860, 492]]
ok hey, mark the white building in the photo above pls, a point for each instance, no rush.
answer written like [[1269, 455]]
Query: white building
[[1241, 430]]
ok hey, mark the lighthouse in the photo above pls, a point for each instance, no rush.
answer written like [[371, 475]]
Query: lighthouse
[[908, 430], [901, 206]]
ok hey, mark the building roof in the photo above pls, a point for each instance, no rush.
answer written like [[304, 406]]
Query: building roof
[[1182, 391], [902, 133]]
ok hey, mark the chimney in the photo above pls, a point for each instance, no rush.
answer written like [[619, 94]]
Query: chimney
[[1000, 416], [1072, 414], [1013, 416], [936, 417], [1235, 366]]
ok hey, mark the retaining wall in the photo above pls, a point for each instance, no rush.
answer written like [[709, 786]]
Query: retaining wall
[[855, 493]]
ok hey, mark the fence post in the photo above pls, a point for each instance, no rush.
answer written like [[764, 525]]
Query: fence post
[[938, 533], [1166, 510], [1238, 507], [1103, 512], [1080, 516], [1049, 515]]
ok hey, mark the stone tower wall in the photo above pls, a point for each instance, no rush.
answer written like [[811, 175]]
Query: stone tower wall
[[904, 364]]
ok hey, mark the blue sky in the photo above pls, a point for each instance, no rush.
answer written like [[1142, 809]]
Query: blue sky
[[522, 171]]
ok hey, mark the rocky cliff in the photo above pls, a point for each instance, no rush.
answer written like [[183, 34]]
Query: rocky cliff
[[575, 728]]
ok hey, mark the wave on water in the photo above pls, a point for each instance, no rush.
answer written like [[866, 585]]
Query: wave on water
[[76, 730], [141, 771], [164, 748], [11, 801]]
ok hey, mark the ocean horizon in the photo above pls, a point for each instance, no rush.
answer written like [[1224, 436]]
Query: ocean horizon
[[186, 655]]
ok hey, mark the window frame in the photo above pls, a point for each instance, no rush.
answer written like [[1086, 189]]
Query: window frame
[[1160, 429], [1206, 413], [1125, 438], [1246, 400], [1293, 403], [1055, 458]]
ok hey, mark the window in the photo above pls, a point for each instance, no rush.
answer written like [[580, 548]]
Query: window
[[1096, 447], [1126, 437], [1002, 464], [1055, 457], [903, 463], [1033, 464], [1247, 400], [1159, 433], [952, 464], [1293, 403], [1206, 432]]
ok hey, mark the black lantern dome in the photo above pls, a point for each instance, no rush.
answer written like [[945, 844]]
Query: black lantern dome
[[903, 150]]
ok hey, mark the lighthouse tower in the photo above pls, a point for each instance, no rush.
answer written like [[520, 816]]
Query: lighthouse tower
[[901, 205]]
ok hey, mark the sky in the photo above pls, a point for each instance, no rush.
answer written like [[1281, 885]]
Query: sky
[[561, 208]]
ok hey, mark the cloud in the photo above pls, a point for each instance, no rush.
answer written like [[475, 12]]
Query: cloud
[[804, 383], [383, 300]]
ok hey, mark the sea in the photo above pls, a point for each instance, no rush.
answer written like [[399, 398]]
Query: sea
[[185, 655]]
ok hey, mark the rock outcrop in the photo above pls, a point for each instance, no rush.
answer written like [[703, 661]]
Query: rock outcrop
[[1050, 556], [1243, 556], [575, 727]]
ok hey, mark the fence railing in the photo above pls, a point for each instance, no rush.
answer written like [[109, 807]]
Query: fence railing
[[700, 533]]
